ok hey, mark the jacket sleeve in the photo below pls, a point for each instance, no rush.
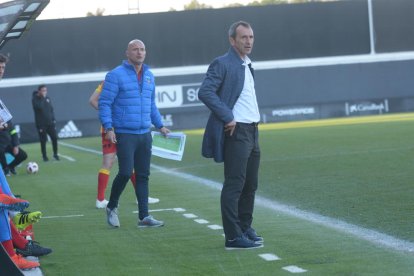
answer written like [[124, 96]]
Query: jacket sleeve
[[109, 92], [37, 102], [13, 134], [210, 90], [155, 113], [52, 110]]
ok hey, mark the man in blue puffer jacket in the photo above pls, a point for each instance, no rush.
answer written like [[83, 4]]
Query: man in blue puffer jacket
[[127, 111]]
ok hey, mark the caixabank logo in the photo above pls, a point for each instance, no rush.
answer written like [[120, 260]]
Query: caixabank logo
[[69, 130], [367, 107]]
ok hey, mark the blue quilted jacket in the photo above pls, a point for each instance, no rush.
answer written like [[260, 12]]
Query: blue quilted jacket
[[125, 104]]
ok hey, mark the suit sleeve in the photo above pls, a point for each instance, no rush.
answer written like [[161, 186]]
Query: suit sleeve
[[210, 91]]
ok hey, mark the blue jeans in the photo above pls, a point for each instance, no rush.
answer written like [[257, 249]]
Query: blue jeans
[[133, 152]]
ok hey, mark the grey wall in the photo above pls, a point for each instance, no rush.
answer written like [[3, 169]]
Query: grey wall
[[189, 37]]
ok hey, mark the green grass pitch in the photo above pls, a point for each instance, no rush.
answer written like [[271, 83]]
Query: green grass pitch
[[357, 171]]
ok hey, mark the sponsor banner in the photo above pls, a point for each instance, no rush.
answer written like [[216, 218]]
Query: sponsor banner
[[290, 113], [369, 107], [175, 96], [69, 130]]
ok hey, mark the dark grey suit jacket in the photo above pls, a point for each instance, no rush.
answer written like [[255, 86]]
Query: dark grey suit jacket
[[219, 92]]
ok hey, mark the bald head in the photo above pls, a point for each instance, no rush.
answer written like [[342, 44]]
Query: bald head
[[136, 52]]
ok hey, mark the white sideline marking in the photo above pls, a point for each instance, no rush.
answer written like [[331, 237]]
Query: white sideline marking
[[80, 148], [201, 221], [269, 257], [68, 216], [294, 269], [215, 227], [190, 216], [179, 209], [156, 210], [372, 236], [67, 157]]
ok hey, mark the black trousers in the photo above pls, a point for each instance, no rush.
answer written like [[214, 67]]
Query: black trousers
[[241, 170], [19, 158], [43, 133]]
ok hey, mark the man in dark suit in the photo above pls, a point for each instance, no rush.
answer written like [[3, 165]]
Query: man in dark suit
[[231, 135]]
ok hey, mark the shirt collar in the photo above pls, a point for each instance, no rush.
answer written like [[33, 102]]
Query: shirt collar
[[247, 61]]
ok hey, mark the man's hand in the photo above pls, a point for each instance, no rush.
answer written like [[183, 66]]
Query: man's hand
[[164, 131], [230, 127], [110, 135], [15, 150]]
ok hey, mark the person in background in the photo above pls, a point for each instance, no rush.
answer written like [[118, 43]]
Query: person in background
[[231, 135], [10, 203], [108, 158], [45, 121], [127, 111], [9, 143]]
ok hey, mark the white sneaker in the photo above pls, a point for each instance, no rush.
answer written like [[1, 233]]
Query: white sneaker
[[112, 217], [151, 200], [150, 221], [101, 204]]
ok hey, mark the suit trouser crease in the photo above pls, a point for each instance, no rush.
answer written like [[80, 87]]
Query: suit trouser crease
[[133, 152], [241, 166]]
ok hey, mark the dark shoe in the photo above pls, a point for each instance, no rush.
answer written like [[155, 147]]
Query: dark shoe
[[56, 157], [241, 243], [33, 248], [7, 172], [13, 171], [252, 235], [45, 158]]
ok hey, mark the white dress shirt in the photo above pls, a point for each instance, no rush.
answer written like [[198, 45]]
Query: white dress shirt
[[246, 109]]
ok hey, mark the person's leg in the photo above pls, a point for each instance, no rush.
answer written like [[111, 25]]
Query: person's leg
[[3, 161], [18, 240], [108, 158], [51, 131], [126, 144], [246, 201], [43, 140], [236, 153], [18, 159], [142, 161], [5, 231], [133, 180]]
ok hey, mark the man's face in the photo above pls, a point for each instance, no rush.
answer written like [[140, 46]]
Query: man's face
[[42, 92], [136, 52], [2, 69], [243, 42]]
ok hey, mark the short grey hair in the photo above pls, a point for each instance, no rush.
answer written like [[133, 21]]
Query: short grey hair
[[4, 58], [233, 27]]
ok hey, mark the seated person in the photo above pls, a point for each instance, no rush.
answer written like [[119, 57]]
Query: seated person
[[9, 142], [9, 203]]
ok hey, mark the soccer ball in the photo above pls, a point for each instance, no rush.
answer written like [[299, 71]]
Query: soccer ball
[[32, 167]]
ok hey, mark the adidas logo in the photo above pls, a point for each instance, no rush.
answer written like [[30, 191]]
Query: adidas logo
[[70, 130]]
